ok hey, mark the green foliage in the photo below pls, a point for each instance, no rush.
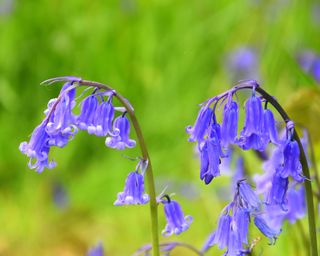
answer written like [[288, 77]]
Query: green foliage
[[165, 57]]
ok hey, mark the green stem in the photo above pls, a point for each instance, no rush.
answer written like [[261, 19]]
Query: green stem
[[145, 156]]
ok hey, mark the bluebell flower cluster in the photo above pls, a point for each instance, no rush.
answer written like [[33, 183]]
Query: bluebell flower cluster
[[233, 224], [60, 124], [133, 192], [176, 221], [259, 130], [214, 140]]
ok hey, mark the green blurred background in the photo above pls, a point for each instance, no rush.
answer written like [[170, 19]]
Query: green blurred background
[[165, 57]]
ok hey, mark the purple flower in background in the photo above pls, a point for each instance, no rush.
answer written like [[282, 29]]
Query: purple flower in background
[[200, 127], [38, 149], [133, 191], [60, 197], [96, 251], [310, 63], [229, 127], [262, 225], [120, 140], [242, 64], [176, 221], [296, 204], [316, 70]]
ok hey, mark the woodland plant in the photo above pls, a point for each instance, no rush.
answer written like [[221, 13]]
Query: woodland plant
[[282, 192]]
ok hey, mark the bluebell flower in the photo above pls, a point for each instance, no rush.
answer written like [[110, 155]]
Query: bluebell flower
[[262, 225], [221, 235], [254, 116], [210, 154], [199, 129], [88, 111], [133, 192], [296, 204], [120, 139], [248, 197], [37, 149], [233, 225], [176, 221], [102, 120], [240, 223], [61, 121], [252, 135], [270, 127], [96, 251], [291, 165], [229, 127], [295, 208], [278, 191]]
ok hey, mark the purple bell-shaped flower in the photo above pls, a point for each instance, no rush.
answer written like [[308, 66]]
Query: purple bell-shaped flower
[[176, 221], [120, 140]]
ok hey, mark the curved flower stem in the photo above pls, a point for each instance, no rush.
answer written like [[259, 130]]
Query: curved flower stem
[[145, 156], [311, 212]]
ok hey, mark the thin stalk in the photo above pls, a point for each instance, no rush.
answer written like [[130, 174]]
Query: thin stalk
[[313, 163], [145, 155]]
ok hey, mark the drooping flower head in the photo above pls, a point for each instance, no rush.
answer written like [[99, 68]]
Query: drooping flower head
[[133, 192], [176, 221], [233, 225], [60, 124]]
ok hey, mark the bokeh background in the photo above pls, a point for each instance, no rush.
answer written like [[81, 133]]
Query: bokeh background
[[165, 57]]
